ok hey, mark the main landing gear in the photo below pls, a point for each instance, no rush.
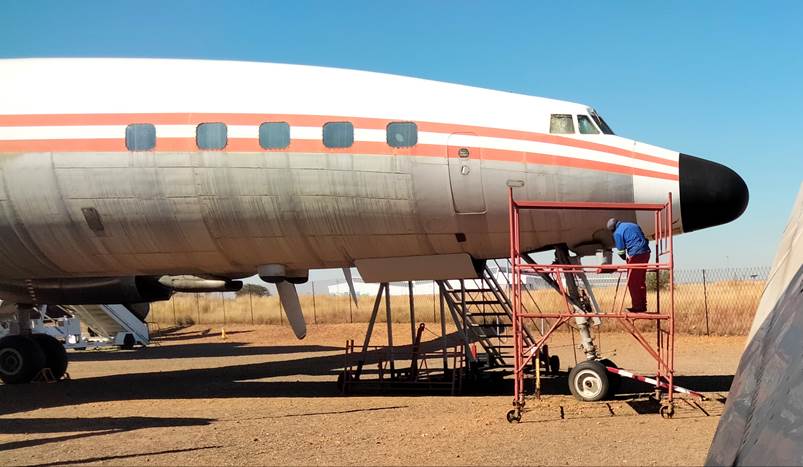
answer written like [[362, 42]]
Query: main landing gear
[[24, 357]]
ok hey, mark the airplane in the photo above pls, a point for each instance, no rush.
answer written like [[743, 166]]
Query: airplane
[[125, 180]]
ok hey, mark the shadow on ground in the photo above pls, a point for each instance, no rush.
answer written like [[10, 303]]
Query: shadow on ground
[[248, 380], [126, 456], [84, 427], [196, 350]]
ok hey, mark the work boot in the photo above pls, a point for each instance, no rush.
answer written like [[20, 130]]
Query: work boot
[[637, 310]]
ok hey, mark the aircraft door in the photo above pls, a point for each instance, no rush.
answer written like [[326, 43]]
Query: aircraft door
[[465, 174]]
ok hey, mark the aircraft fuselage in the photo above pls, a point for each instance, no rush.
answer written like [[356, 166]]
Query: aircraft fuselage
[[80, 198]]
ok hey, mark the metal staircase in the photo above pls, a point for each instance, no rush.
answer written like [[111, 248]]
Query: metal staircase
[[482, 313], [111, 321]]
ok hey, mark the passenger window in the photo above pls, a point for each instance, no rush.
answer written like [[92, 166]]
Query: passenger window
[[140, 137], [211, 136], [274, 135], [561, 124], [338, 134], [402, 134], [586, 125]]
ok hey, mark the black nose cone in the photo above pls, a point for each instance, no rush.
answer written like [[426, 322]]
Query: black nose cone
[[710, 193]]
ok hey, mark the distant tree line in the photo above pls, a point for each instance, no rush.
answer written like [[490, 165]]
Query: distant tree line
[[255, 290]]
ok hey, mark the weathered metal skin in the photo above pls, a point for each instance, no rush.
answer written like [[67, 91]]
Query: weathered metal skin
[[77, 200], [197, 213]]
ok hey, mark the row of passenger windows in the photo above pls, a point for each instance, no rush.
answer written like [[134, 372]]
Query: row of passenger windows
[[272, 135]]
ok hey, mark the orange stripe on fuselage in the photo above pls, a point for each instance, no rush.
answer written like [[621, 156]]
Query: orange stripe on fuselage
[[317, 147], [311, 120], [63, 145]]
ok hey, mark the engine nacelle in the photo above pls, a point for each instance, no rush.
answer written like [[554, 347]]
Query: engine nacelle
[[85, 291]]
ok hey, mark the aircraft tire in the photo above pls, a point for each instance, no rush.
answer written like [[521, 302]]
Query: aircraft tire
[[55, 354], [588, 381], [128, 342], [554, 364], [21, 359]]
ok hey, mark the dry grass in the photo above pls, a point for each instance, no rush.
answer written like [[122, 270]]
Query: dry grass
[[730, 305]]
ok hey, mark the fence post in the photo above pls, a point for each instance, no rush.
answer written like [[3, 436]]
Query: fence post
[[173, 301], [314, 312], [223, 302], [251, 305], [705, 304], [198, 307], [351, 316], [434, 313], [281, 309]]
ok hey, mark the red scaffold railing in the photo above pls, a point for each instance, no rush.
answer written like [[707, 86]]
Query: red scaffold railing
[[663, 350]]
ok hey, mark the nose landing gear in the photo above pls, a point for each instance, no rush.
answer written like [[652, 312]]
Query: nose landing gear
[[588, 381]]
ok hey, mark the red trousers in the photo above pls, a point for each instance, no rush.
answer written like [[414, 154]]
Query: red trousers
[[636, 281]]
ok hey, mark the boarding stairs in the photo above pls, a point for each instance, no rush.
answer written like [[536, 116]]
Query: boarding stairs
[[482, 312], [114, 322]]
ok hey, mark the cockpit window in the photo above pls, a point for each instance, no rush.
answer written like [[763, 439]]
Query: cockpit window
[[586, 126], [561, 124], [600, 122]]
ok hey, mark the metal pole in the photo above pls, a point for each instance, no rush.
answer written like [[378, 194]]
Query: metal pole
[[370, 331], [173, 301], [251, 305], [351, 313], [434, 315], [443, 331], [223, 302], [412, 311], [198, 307], [464, 320], [281, 309], [538, 373], [705, 302], [314, 311], [390, 331]]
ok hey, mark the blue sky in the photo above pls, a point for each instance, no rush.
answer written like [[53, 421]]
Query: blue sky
[[720, 80]]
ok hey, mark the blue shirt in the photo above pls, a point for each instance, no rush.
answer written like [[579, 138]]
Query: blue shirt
[[629, 237]]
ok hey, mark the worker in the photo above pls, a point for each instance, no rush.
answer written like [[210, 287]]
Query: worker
[[632, 246]]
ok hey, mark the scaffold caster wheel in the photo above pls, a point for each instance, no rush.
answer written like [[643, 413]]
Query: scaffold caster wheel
[[667, 411], [514, 416], [588, 381]]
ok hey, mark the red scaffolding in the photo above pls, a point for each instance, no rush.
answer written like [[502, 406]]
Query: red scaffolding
[[662, 351]]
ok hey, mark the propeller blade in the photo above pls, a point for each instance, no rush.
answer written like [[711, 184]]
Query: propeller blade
[[350, 282], [292, 308]]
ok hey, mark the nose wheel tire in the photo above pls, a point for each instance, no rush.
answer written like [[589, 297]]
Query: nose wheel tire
[[21, 358], [55, 355], [588, 381]]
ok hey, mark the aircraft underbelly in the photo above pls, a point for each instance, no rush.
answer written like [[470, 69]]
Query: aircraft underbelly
[[102, 214]]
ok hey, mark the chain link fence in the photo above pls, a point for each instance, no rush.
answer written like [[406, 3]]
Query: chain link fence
[[718, 301]]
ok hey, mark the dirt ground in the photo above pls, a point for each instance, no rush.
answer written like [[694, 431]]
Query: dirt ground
[[261, 397]]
